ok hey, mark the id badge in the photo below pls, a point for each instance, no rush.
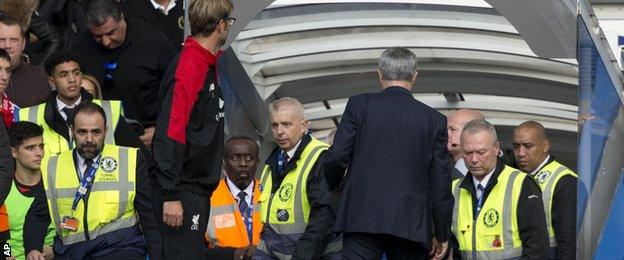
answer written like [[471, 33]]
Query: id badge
[[69, 223]]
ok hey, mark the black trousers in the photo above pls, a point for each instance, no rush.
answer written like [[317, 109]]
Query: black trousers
[[188, 241], [364, 246]]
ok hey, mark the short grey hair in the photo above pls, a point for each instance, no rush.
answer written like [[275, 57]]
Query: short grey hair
[[99, 11], [398, 64], [287, 101], [480, 125]]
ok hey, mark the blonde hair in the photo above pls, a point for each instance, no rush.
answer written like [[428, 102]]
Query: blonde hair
[[96, 84], [204, 15]]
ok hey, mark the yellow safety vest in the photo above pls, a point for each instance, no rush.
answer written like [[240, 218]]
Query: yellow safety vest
[[493, 234], [110, 199], [548, 178], [56, 143]]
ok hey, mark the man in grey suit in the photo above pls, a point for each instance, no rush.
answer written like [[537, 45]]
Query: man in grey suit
[[398, 179]]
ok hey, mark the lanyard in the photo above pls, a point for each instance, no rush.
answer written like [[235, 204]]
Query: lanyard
[[85, 184]]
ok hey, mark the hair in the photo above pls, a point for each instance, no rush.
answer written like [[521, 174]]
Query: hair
[[99, 11], [241, 137], [5, 55], [541, 132], [59, 58], [94, 81], [398, 64], [480, 125], [23, 130], [88, 108], [20, 11], [7, 20], [287, 101], [204, 15]]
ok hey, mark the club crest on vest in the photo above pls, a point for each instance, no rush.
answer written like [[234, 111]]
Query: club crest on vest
[[285, 192], [109, 164], [542, 176], [491, 217]]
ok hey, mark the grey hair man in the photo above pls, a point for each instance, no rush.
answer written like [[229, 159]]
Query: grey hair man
[[397, 162], [498, 205]]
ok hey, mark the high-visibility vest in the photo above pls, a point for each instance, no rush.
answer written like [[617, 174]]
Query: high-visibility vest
[[4, 219], [110, 200], [17, 207], [548, 178], [287, 210], [56, 143], [494, 233], [226, 227]]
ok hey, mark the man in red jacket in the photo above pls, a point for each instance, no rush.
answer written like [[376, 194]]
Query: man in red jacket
[[188, 142]]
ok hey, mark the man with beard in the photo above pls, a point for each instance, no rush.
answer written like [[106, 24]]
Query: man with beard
[[89, 196], [234, 226]]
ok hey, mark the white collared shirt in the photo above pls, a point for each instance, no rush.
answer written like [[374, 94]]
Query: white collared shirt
[[235, 190], [460, 165], [60, 105], [81, 163], [483, 182], [164, 9], [540, 166], [292, 151]]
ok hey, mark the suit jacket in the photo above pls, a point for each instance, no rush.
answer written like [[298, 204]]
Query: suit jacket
[[399, 177]]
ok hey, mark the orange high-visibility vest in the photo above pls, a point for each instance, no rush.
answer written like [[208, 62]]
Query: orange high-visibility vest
[[4, 219], [226, 227]]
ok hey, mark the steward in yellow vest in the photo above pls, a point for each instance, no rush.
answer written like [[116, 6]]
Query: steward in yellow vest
[[558, 185], [56, 134], [498, 211], [90, 195]]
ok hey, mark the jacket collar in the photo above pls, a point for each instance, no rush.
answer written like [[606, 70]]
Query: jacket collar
[[468, 184], [54, 119], [397, 89]]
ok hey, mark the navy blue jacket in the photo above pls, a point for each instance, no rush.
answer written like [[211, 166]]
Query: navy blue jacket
[[399, 179]]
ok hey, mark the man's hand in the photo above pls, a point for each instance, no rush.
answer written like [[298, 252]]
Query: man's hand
[[439, 249], [35, 255], [48, 253], [172, 213], [147, 137]]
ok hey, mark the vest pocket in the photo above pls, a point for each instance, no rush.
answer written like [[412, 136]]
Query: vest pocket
[[110, 209]]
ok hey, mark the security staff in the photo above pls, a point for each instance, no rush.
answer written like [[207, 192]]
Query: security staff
[[498, 212], [90, 196], [558, 184], [27, 149], [65, 75], [295, 203], [234, 226], [454, 124]]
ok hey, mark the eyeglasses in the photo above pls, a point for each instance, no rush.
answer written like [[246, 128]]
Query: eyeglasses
[[230, 20], [109, 68]]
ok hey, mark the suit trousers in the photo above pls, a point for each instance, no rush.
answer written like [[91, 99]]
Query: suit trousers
[[365, 246]]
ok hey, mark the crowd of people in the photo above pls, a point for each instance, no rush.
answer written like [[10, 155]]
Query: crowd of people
[[112, 146]]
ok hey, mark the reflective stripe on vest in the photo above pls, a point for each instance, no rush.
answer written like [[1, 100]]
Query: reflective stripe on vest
[[225, 227], [114, 185], [485, 242], [56, 143], [548, 178], [297, 207]]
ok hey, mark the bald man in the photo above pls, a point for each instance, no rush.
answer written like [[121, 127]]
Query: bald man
[[558, 183], [454, 125]]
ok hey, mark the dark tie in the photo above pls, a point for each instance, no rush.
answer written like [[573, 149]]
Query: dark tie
[[69, 112], [88, 163], [243, 207], [480, 191], [282, 159]]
